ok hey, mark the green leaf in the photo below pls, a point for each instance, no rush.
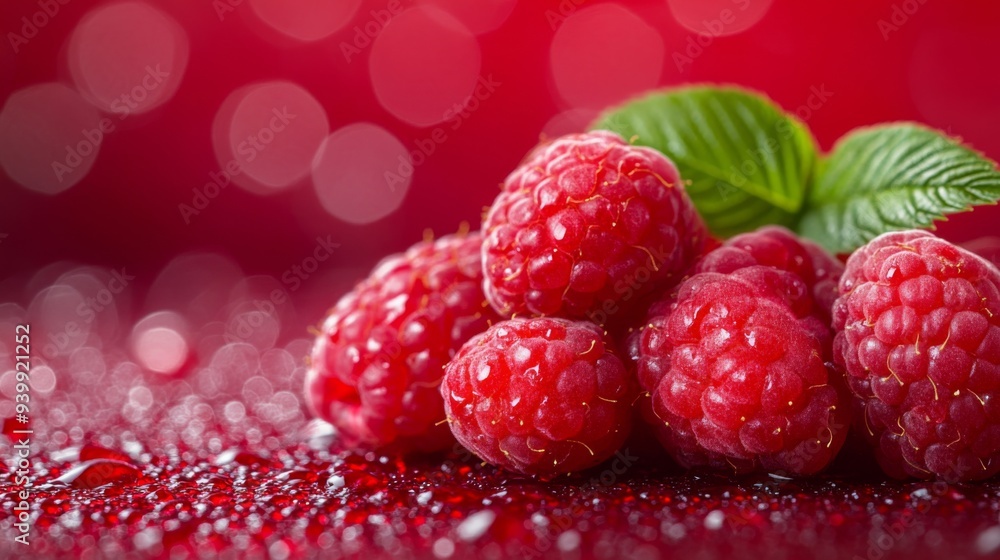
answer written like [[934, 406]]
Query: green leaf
[[892, 177], [746, 162]]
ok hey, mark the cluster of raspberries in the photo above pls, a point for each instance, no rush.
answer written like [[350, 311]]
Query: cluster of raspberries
[[594, 296]]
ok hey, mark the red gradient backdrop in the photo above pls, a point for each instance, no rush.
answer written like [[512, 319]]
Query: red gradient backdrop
[[168, 316], [536, 67]]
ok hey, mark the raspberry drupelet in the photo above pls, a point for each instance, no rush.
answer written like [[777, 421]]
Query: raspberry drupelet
[[918, 331], [541, 396], [779, 248], [377, 364], [735, 370], [585, 226]]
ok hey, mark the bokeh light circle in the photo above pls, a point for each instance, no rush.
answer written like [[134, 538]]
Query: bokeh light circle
[[362, 173], [479, 16], [161, 349], [160, 342], [196, 284], [43, 379], [568, 122], [105, 293], [56, 323], [128, 57], [49, 137], [265, 135], [603, 54], [718, 18], [254, 324], [424, 66], [305, 20]]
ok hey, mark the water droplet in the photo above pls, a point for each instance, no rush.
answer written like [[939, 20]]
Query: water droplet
[[98, 472]]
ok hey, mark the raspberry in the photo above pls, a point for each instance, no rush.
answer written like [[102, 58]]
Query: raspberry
[[539, 396], [779, 248], [736, 374], [377, 365], [585, 226], [918, 331]]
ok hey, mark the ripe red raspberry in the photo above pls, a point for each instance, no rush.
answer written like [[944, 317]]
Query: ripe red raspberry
[[539, 396], [779, 248], [736, 374], [377, 365], [586, 225], [918, 331]]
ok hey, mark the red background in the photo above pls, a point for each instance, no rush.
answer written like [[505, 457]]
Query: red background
[[938, 67]]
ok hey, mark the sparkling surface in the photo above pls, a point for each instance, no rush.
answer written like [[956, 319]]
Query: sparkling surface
[[285, 493], [219, 458], [223, 461]]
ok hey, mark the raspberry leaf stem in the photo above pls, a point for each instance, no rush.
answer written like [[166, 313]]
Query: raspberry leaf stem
[[747, 162], [893, 177]]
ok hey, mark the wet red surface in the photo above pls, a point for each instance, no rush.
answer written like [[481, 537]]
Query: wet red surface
[[287, 495]]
